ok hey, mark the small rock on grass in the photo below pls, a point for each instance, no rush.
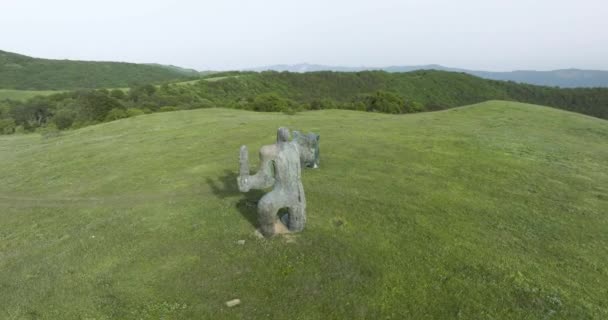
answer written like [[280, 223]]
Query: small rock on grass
[[240, 242], [233, 303], [258, 234]]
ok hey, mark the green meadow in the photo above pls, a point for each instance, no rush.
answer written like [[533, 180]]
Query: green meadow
[[23, 95], [497, 210]]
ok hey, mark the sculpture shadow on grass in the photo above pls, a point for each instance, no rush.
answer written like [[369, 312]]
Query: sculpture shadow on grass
[[226, 186]]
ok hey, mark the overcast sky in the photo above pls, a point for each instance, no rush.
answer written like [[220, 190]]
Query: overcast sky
[[231, 34]]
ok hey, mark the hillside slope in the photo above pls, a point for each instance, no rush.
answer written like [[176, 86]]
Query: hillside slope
[[435, 90], [495, 210], [27, 73], [565, 78]]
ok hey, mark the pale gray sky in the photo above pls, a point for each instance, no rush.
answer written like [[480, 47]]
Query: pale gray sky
[[229, 34]]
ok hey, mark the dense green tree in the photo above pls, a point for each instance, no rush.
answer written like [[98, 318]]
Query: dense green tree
[[133, 112], [384, 101], [270, 102], [96, 105], [64, 118], [116, 114], [118, 94], [142, 92], [167, 109], [290, 92], [32, 114], [7, 126]]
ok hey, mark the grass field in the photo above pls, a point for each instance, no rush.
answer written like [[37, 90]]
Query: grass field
[[208, 78], [493, 211], [22, 95]]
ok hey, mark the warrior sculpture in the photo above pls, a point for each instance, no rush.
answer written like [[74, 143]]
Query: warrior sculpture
[[280, 168]]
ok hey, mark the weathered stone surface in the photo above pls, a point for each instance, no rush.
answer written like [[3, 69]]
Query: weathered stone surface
[[308, 148], [280, 167]]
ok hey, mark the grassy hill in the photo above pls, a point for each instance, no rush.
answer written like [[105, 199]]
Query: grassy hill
[[496, 210], [568, 78], [435, 90], [24, 95], [374, 91], [27, 73]]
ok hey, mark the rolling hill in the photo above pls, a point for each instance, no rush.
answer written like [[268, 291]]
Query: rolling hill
[[435, 90], [565, 78], [495, 210], [27, 73]]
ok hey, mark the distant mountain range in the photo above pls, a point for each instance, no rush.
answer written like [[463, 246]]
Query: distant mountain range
[[566, 78]]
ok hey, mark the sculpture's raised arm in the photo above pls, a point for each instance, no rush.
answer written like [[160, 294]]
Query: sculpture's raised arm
[[263, 178]]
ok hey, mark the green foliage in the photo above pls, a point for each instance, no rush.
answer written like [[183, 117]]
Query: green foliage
[[116, 114], [491, 211], [387, 102], [290, 92], [414, 106], [421, 90], [26, 73], [118, 94], [323, 104], [32, 114], [133, 112], [7, 126], [167, 109], [49, 131], [97, 104], [5, 110], [64, 118], [270, 102], [141, 92], [290, 111]]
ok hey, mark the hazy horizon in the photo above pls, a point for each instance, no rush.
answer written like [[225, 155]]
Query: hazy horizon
[[228, 35]]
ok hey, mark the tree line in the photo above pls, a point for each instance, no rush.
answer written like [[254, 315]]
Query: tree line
[[372, 91]]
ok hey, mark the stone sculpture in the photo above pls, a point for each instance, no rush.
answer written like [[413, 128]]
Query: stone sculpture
[[280, 168]]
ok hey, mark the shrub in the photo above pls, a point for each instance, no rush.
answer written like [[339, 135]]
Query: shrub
[[20, 130], [133, 112], [416, 106], [205, 103], [290, 111], [118, 94], [7, 126], [116, 114], [384, 101], [323, 104], [49, 131], [64, 119], [167, 109], [97, 105], [270, 102]]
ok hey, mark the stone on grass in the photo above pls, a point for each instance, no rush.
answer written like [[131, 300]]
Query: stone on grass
[[233, 303]]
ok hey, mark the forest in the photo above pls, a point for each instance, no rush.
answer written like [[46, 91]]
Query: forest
[[371, 91]]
